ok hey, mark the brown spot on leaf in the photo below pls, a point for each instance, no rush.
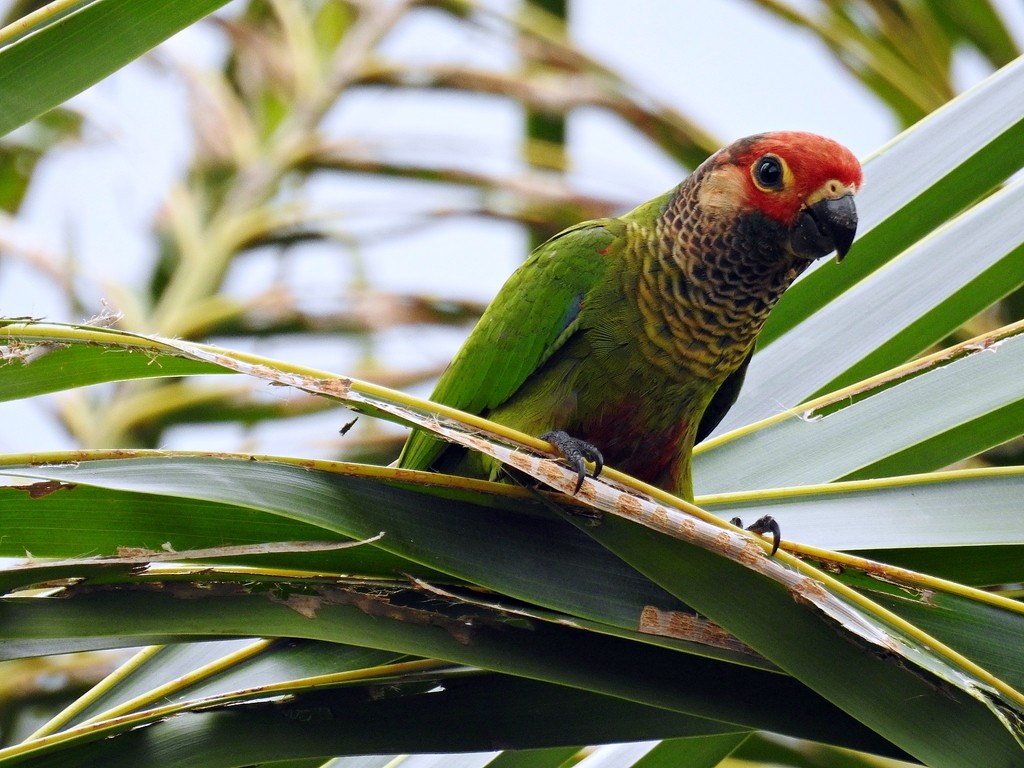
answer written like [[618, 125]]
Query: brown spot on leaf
[[628, 507], [379, 603], [520, 461], [551, 475], [806, 589], [661, 517], [44, 488], [690, 627], [133, 552], [338, 387], [750, 553], [304, 605], [688, 528]]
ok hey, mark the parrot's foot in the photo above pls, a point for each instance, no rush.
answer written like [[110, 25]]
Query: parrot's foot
[[574, 451], [766, 524]]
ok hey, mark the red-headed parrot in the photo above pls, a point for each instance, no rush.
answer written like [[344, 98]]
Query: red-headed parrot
[[628, 337]]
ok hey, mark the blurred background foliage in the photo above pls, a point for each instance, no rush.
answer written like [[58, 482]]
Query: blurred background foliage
[[253, 209], [249, 213]]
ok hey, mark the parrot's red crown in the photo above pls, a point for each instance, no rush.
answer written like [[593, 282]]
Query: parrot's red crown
[[785, 171]]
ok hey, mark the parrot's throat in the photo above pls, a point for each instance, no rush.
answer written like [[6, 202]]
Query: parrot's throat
[[707, 285]]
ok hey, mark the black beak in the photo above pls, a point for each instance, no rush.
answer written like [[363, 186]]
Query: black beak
[[826, 226]]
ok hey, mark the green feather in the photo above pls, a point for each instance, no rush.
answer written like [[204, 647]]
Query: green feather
[[530, 319]]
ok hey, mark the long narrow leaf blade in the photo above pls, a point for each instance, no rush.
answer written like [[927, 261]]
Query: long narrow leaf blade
[[968, 399], [80, 48]]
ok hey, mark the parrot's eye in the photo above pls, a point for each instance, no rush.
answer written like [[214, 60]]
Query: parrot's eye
[[768, 172]]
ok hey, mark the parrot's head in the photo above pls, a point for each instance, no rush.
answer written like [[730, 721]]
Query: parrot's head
[[803, 181]]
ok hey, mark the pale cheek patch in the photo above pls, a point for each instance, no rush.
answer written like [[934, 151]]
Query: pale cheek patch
[[722, 191]]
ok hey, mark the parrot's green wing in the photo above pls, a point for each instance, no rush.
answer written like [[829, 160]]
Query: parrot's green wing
[[532, 316], [723, 400]]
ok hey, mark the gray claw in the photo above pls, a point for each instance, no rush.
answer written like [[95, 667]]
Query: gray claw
[[766, 524], [574, 451]]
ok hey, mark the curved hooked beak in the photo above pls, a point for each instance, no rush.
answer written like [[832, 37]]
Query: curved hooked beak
[[828, 225]]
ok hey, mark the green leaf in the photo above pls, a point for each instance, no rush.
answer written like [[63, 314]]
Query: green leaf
[[80, 44], [37, 371], [862, 682], [403, 621], [729, 589], [357, 721], [534, 758], [475, 537], [918, 298], [694, 753], [963, 509], [967, 399], [484, 544]]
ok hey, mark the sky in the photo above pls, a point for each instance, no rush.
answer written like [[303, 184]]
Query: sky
[[727, 64]]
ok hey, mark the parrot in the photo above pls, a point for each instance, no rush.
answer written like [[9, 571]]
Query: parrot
[[626, 340]]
